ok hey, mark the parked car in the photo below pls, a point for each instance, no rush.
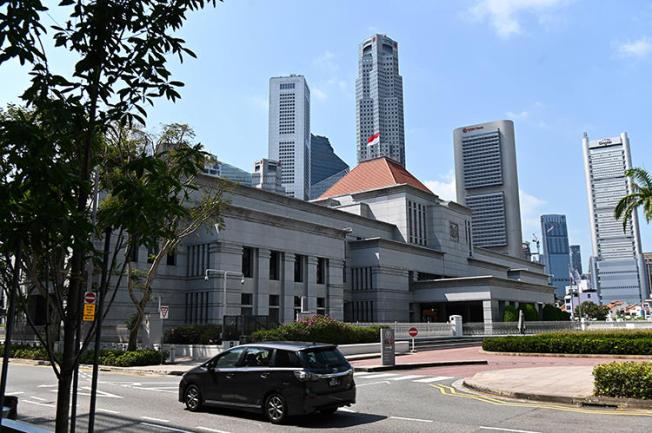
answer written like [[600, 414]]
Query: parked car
[[280, 379]]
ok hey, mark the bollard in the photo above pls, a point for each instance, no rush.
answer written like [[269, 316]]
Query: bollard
[[173, 355], [456, 325]]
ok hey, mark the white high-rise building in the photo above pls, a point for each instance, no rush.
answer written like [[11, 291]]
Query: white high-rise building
[[487, 182], [379, 101], [617, 264], [289, 132]]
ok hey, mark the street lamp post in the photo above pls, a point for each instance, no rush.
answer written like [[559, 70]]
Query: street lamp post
[[226, 276]]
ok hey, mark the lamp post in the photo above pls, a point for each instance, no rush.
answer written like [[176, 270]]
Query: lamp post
[[226, 276]]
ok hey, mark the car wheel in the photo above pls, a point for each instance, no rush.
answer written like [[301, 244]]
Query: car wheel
[[193, 398], [275, 408], [329, 411]]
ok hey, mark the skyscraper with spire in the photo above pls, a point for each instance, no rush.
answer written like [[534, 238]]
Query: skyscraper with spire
[[380, 129]]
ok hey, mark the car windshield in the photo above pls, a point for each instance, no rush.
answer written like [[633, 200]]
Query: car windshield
[[328, 357]]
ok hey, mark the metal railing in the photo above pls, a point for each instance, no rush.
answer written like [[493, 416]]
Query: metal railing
[[426, 330]]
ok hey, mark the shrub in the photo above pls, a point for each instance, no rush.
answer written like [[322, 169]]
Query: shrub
[[624, 379], [530, 312], [552, 313], [510, 314], [320, 329], [623, 342], [193, 334], [112, 357]]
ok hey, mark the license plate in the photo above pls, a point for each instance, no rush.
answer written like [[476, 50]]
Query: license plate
[[334, 382]]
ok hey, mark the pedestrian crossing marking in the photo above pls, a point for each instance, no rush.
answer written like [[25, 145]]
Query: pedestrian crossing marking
[[433, 379], [415, 376], [378, 376]]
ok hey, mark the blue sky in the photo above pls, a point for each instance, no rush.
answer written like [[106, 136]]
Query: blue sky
[[556, 67]]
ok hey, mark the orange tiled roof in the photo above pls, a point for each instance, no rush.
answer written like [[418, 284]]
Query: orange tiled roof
[[373, 174]]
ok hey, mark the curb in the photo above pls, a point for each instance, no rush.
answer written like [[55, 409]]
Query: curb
[[568, 355], [413, 365], [104, 368], [590, 401]]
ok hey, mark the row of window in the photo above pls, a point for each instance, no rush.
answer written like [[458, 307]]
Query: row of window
[[417, 223], [247, 270]]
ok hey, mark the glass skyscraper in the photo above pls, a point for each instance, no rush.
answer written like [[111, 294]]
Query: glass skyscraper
[[576, 258], [556, 252], [326, 167]]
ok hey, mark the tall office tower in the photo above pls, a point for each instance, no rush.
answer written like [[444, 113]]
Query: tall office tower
[[576, 258], [487, 183], [289, 132], [647, 257], [326, 167], [379, 101], [617, 266], [556, 252]]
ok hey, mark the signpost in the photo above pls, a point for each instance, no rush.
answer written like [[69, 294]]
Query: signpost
[[164, 311], [89, 307], [413, 332], [387, 346]]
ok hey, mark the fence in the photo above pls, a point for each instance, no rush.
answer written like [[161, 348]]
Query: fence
[[432, 330]]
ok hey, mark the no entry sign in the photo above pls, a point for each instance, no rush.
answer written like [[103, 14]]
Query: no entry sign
[[89, 298], [413, 332]]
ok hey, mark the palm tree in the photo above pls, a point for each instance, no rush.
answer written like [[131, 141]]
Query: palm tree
[[641, 195]]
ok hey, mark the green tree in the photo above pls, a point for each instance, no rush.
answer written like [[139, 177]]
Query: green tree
[[553, 313], [510, 314], [161, 174], [530, 312], [121, 50], [641, 196], [590, 310]]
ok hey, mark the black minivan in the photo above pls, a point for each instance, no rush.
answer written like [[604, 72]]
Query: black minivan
[[279, 378]]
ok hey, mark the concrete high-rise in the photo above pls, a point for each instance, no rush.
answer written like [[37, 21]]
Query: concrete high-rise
[[380, 128], [556, 252], [487, 182], [289, 132], [617, 266], [576, 258]]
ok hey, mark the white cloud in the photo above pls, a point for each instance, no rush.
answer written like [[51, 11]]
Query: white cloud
[[319, 94], [531, 210], [326, 60], [505, 15], [636, 49], [522, 115], [444, 188], [259, 102]]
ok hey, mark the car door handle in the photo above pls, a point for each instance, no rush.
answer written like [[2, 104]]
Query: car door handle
[[264, 375], [229, 376]]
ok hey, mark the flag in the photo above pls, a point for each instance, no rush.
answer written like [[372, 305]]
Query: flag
[[374, 139]]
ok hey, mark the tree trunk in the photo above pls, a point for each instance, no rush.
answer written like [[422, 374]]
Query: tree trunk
[[65, 379], [135, 328]]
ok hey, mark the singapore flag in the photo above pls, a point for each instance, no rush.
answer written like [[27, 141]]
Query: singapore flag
[[374, 139]]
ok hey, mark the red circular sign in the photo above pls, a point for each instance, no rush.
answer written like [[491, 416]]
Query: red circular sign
[[413, 332], [89, 298]]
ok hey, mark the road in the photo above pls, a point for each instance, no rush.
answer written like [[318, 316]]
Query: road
[[412, 401]]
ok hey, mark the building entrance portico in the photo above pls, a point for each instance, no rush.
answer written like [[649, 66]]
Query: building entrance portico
[[470, 311]]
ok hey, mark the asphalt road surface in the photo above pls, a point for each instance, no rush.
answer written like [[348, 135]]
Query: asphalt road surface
[[400, 401]]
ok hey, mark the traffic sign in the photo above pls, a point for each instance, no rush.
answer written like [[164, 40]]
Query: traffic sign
[[89, 313], [164, 312], [89, 297], [413, 332]]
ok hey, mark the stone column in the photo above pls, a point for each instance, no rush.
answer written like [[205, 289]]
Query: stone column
[[261, 289], [310, 284], [490, 313], [225, 256], [287, 288], [335, 289]]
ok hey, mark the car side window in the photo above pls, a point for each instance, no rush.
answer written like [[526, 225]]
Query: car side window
[[256, 357], [229, 359], [286, 359]]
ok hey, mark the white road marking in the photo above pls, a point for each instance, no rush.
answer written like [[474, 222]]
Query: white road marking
[[37, 398], [155, 419], [211, 429], [37, 403], [372, 383], [361, 373], [346, 409], [14, 393], [154, 389], [414, 376], [165, 427], [47, 386], [107, 411], [410, 419], [378, 376], [507, 429], [432, 379]]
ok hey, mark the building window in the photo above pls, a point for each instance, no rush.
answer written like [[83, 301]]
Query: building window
[[247, 262], [133, 256], [297, 306], [171, 259], [246, 304], [454, 231], [298, 268], [321, 306], [274, 306], [196, 307], [152, 252], [362, 278], [198, 259], [322, 264], [275, 265]]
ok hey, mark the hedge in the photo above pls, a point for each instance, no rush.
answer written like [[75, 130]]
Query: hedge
[[111, 357], [193, 334], [624, 379], [320, 329], [614, 342]]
